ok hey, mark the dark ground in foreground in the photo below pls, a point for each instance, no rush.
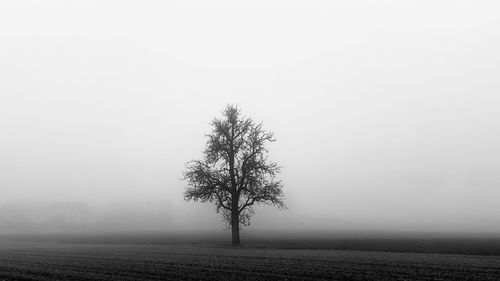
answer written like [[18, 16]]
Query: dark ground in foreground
[[150, 258]]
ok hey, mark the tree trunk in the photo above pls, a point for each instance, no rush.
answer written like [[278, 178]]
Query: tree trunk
[[235, 228]]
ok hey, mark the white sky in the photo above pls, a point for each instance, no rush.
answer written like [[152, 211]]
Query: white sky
[[386, 112]]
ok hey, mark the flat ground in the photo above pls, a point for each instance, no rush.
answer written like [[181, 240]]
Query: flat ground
[[176, 258]]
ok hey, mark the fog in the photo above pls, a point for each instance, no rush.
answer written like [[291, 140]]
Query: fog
[[386, 113]]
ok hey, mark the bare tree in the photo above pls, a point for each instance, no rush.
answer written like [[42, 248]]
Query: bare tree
[[235, 174]]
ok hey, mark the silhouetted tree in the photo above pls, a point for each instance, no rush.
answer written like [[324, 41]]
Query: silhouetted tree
[[235, 174]]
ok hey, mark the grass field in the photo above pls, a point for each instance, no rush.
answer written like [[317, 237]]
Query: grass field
[[181, 258]]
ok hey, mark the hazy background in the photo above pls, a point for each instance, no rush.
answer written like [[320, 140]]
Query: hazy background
[[386, 113]]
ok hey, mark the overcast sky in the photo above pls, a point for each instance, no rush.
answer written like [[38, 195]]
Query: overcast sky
[[386, 113]]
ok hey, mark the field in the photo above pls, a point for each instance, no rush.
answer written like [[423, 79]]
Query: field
[[155, 257]]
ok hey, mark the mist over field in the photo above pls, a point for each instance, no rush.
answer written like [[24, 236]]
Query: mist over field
[[386, 113]]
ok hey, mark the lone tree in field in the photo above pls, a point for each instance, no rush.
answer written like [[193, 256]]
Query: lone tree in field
[[234, 173]]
